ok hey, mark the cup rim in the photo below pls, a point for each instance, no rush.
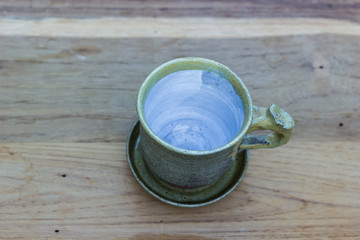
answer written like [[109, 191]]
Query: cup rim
[[144, 88]]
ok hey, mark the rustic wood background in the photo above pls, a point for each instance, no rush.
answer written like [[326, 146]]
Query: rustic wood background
[[69, 75]]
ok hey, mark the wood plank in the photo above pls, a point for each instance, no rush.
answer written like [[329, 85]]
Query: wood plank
[[45, 85], [349, 9], [307, 189], [175, 27]]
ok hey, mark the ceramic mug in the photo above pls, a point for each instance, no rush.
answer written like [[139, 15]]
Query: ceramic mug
[[195, 116]]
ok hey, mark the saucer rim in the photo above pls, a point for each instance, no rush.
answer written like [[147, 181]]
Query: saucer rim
[[231, 186]]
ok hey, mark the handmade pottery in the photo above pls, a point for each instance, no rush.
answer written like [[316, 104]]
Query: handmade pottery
[[195, 117]]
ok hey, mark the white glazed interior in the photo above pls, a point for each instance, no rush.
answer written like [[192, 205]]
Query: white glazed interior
[[194, 110]]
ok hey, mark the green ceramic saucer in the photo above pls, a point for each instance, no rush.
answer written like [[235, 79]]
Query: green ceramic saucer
[[182, 197]]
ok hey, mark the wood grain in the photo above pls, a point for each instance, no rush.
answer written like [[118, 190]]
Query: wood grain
[[86, 88], [302, 190], [188, 28], [67, 103], [28, 9]]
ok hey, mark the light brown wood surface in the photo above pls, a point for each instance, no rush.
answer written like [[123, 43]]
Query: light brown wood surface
[[69, 75]]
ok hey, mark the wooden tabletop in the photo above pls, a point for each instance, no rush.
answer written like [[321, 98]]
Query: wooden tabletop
[[69, 75]]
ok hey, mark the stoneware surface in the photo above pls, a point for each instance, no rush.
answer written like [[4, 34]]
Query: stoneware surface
[[194, 114], [195, 110], [177, 196]]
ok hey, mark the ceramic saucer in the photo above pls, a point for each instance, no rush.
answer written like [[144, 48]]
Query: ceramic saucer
[[182, 197]]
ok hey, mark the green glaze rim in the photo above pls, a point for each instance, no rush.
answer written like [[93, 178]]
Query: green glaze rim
[[164, 192], [194, 63]]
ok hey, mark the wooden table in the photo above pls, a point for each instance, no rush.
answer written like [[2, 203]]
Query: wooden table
[[69, 75]]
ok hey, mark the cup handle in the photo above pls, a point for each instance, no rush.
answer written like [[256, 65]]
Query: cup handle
[[273, 118]]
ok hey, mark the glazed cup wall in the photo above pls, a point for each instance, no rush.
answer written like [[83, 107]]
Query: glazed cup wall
[[181, 167]]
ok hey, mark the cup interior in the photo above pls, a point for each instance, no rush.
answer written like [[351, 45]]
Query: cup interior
[[194, 109]]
